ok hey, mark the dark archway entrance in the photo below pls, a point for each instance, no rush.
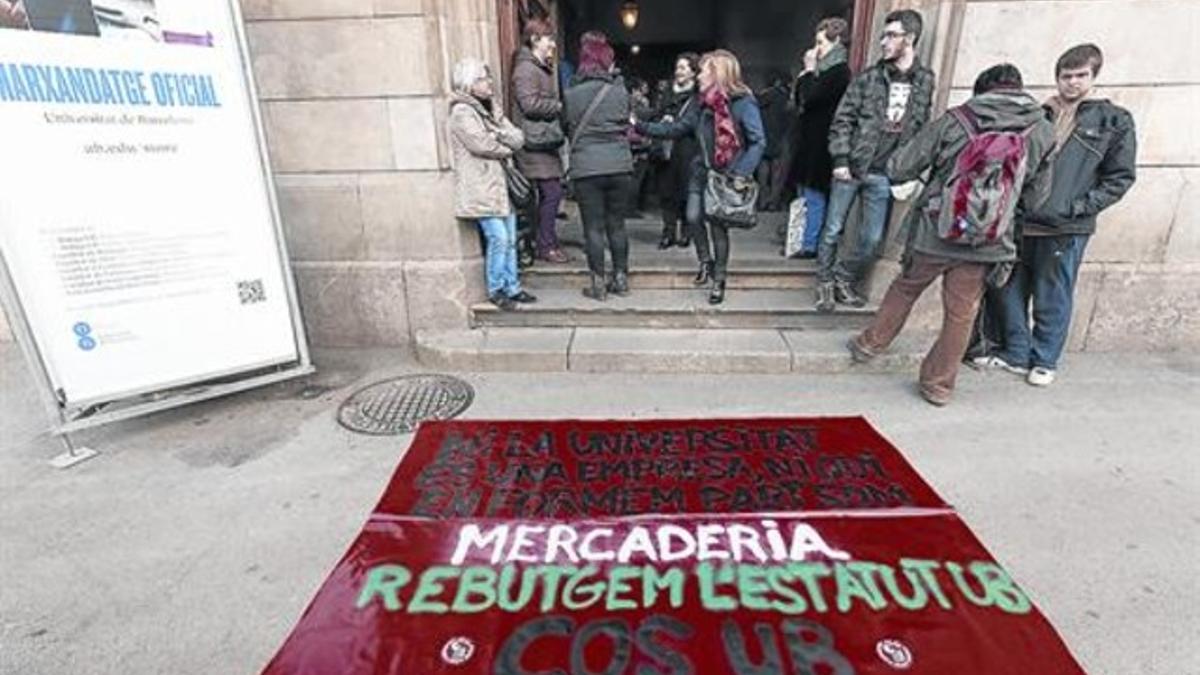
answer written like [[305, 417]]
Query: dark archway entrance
[[767, 290], [767, 35]]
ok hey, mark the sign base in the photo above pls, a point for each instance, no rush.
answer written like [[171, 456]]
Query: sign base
[[70, 458]]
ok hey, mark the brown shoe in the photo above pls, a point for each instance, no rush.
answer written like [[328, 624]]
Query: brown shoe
[[858, 352], [934, 398], [557, 257]]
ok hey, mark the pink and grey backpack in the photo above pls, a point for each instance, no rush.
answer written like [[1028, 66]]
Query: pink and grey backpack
[[981, 196]]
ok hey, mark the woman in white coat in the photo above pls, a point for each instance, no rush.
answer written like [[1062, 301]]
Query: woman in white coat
[[481, 140]]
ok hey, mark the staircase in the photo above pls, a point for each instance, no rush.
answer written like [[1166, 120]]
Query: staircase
[[767, 323]]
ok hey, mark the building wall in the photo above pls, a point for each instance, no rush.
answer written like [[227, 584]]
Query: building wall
[[354, 99], [1139, 287], [354, 102], [1140, 284]]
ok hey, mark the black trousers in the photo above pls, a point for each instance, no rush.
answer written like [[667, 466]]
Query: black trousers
[[672, 196], [710, 236], [602, 203], [640, 180]]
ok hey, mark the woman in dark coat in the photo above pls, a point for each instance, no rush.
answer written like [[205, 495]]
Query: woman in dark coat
[[675, 172], [817, 93], [537, 110], [729, 130], [601, 162]]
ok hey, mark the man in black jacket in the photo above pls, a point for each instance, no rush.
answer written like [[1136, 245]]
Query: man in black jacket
[[883, 108], [1094, 166]]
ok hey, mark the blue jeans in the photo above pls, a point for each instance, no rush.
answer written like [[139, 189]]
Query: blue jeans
[[500, 256], [877, 197], [814, 218], [1045, 275]]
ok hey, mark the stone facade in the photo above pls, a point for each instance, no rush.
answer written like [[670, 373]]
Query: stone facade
[[1139, 288], [1140, 283], [353, 94]]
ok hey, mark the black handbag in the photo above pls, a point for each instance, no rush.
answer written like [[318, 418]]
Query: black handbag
[[731, 199], [520, 189], [542, 135]]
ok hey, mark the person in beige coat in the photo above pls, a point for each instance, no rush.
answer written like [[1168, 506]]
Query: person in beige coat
[[481, 140]]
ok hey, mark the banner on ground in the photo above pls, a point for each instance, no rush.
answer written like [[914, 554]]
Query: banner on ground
[[137, 223], [845, 561]]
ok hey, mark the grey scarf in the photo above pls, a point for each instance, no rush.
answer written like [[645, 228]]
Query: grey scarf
[[836, 57]]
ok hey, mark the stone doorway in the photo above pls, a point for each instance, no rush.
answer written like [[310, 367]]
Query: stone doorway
[[769, 38]]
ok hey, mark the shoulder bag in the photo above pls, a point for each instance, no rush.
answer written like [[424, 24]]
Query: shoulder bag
[[733, 200], [591, 110], [542, 135], [520, 189]]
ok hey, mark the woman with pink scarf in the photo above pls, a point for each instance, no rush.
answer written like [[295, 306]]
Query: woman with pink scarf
[[729, 128]]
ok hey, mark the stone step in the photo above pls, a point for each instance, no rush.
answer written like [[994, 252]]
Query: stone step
[[748, 275], [742, 309], [634, 350]]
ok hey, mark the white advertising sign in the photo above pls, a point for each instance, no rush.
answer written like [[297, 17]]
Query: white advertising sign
[[136, 217]]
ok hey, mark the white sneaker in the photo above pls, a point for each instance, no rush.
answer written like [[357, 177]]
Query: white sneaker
[[1040, 377], [997, 363]]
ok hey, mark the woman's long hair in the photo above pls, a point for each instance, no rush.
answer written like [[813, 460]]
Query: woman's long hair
[[728, 71]]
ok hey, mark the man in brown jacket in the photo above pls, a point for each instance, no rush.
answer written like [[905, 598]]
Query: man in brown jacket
[[538, 111]]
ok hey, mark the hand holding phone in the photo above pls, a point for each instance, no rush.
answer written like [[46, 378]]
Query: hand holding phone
[[12, 14]]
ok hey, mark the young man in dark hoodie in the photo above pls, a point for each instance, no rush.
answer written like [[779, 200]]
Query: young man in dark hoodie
[[953, 235], [884, 107], [1094, 166]]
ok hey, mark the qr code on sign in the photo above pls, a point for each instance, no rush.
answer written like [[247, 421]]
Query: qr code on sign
[[250, 292]]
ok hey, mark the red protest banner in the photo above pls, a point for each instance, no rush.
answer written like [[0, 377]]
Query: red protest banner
[[837, 594], [569, 469], [804, 546]]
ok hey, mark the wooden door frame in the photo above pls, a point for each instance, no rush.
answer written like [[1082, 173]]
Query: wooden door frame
[[860, 33], [509, 14], [508, 19]]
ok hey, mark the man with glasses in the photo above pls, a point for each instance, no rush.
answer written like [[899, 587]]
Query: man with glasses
[[882, 109]]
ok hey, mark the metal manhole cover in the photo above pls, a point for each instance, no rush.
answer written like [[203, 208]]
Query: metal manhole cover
[[398, 405]]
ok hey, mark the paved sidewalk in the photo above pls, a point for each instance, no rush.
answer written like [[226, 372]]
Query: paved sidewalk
[[196, 540]]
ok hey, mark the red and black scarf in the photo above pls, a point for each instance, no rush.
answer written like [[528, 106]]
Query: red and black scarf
[[724, 128]]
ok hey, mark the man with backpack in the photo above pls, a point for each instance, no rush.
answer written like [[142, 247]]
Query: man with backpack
[[983, 157], [1094, 166]]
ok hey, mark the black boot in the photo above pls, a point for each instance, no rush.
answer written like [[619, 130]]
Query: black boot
[[684, 242], [717, 295], [597, 289], [619, 284], [704, 275], [666, 242]]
